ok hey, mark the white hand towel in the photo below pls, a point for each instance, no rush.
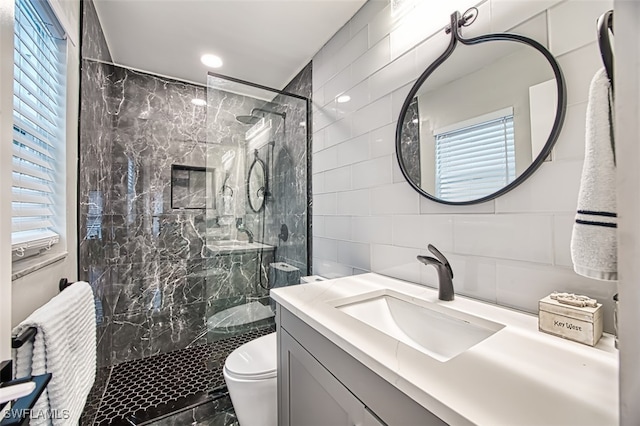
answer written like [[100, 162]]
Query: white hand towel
[[64, 346], [594, 240]]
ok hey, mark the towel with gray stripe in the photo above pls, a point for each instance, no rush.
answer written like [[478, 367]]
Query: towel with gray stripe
[[594, 236]]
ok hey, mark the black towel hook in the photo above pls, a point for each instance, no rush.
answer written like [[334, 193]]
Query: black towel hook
[[605, 31]]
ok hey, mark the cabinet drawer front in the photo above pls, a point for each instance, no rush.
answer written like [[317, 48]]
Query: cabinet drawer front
[[314, 397]]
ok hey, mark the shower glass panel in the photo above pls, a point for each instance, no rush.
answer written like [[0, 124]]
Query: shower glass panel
[[257, 223]]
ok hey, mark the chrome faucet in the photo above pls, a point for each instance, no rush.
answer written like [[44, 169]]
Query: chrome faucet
[[240, 227], [445, 273]]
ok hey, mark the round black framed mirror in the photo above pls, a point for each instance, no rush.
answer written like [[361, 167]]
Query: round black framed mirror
[[257, 184], [481, 118]]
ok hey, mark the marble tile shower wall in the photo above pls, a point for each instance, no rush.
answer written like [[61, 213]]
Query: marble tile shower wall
[[511, 251], [94, 44], [146, 261], [289, 181], [95, 182], [142, 259], [156, 299], [95, 169], [154, 282]]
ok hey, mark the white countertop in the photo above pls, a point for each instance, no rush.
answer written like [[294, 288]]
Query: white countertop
[[236, 247], [518, 376]]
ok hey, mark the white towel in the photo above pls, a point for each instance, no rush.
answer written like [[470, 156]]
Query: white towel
[[64, 346], [593, 242]]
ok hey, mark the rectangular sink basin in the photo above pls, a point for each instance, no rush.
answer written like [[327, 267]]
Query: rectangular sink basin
[[433, 329]]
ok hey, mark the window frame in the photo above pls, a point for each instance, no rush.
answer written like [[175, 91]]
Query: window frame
[[50, 248], [456, 133]]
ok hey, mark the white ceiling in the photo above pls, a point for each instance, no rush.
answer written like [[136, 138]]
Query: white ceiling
[[262, 41]]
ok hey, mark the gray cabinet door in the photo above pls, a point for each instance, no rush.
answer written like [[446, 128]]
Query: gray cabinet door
[[311, 396]]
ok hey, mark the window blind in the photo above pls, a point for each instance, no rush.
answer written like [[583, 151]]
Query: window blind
[[38, 126], [475, 160]]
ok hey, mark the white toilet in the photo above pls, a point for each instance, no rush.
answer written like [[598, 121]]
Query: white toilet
[[250, 372]]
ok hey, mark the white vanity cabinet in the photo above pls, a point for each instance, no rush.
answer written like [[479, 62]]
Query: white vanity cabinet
[[319, 384]]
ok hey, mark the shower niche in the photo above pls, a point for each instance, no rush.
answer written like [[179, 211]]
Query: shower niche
[[189, 187]]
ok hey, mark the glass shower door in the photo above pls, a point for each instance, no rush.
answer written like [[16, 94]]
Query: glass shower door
[[257, 217]]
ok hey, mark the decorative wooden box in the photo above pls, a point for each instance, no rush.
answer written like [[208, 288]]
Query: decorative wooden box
[[581, 324]]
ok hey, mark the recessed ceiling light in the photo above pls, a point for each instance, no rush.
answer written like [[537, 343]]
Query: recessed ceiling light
[[303, 123], [198, 102], [212, 61], [344, 98]]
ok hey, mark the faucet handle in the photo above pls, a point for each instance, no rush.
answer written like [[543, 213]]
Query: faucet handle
[[441, 258]]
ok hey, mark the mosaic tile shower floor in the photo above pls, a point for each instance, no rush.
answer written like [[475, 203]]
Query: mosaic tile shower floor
[[187, 382]]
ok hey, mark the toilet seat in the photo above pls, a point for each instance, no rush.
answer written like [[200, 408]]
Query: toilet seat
[[255, 360]]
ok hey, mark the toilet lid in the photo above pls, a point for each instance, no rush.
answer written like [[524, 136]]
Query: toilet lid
[[254, 359]]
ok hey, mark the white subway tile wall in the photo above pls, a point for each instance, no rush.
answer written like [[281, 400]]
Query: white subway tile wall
[[582, 16], [574, 65], [337, 179], [398, 262], [371, 229], [414, 230], [354, 150], [562, 224], [337, 227], [513, 250], [474, 276], [318, 226], [570, 145], [356, 203]]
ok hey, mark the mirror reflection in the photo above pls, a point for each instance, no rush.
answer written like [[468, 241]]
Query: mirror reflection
[[479, 120], [256, 184]]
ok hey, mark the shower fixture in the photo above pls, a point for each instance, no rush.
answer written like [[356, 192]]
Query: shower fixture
[[284, 232], [252, 118], [269, 111]]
